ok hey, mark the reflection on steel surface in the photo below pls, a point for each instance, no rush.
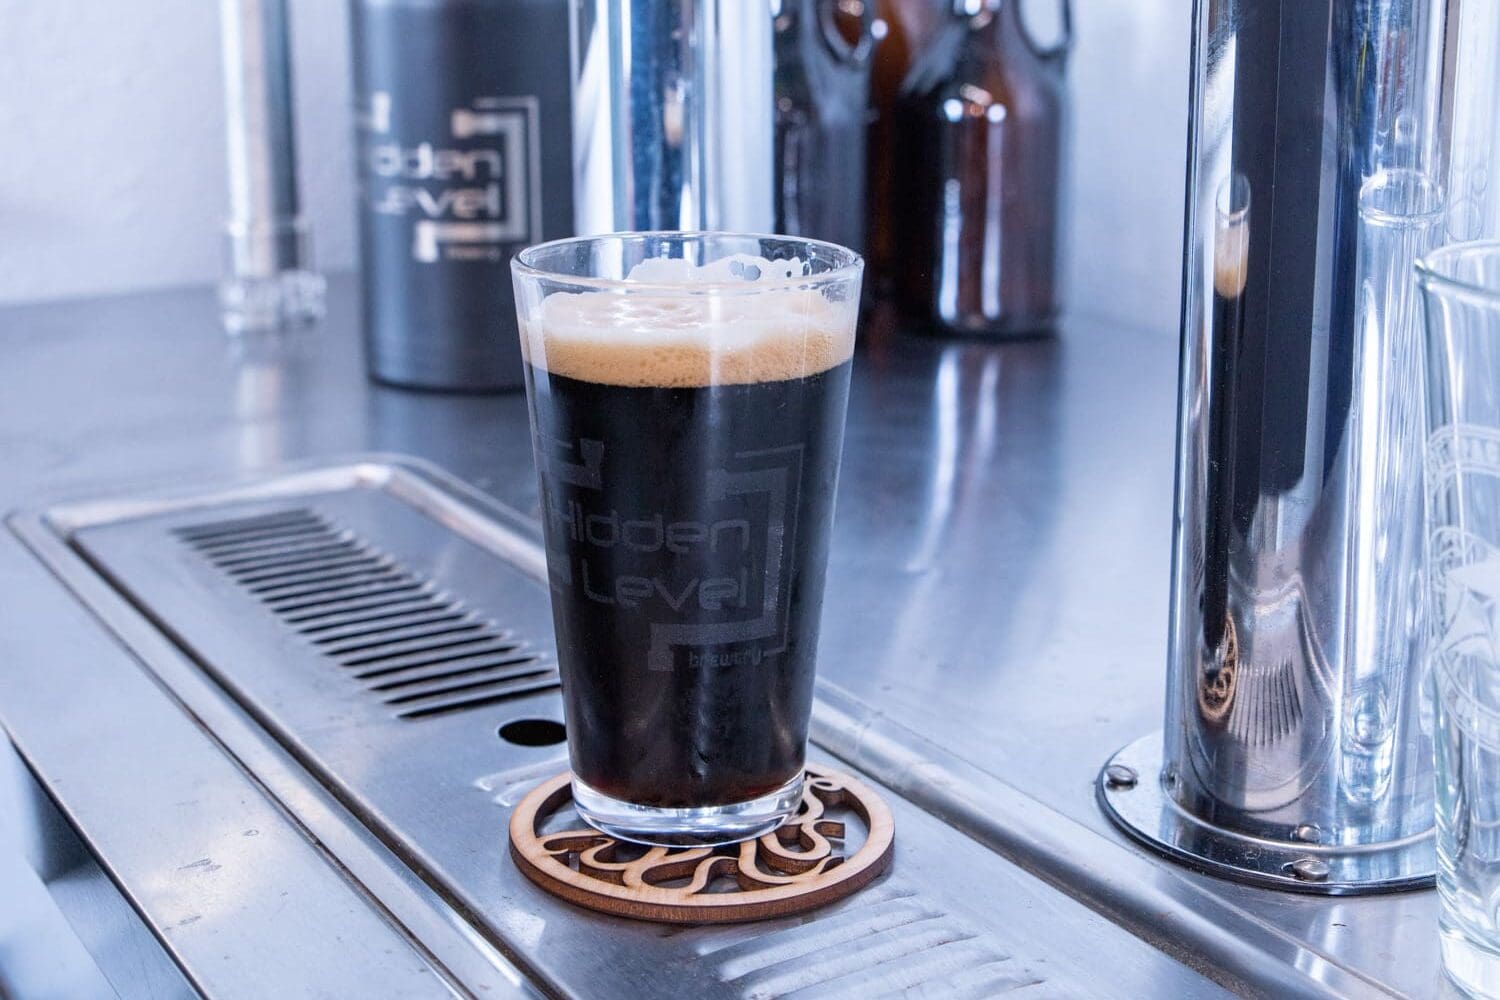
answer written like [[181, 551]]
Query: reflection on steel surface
[[889, 937]]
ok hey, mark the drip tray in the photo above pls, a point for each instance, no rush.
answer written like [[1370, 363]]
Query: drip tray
[[389, 629]]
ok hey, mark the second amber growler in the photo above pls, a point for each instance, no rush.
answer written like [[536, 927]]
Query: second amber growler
[[981, 117]]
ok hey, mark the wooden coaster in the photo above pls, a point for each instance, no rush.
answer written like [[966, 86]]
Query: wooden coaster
[[791, 870]]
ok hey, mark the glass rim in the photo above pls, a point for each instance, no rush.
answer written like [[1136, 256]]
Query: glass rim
[[851, 265], [1431, 209], [1430, 276]]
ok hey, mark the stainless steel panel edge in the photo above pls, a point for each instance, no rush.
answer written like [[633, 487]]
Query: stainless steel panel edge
[[200, 852], [360, 854], [502, 530], [86, 939]]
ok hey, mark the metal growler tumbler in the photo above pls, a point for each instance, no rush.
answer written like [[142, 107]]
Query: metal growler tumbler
[[463, 145]]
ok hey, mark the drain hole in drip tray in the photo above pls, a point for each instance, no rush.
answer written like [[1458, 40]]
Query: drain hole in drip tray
[[533, 732]]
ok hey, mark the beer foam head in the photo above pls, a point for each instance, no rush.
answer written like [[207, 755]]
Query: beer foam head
[[693, 326], [1231, 259]]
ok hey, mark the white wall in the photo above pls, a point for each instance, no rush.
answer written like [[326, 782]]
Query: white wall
[[112, 143], [112, 150], [1129, 78]]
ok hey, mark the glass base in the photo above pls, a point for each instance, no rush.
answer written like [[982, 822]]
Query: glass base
[[285, 300], [696, 826], [1473, 966]]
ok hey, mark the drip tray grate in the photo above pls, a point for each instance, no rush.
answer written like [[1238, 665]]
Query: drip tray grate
[[416, 648], [336, 600]]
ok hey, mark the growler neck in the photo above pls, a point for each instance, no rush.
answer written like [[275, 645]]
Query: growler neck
[[994, 18]]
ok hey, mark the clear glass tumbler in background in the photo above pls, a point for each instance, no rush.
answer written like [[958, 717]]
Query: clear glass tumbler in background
[[687, 396], [1461, 292]]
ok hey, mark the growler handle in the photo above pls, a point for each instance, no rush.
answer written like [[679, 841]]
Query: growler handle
[[1057, 52], [834, 40]]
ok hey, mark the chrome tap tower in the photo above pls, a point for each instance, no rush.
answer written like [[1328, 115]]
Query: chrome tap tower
[[1294, 751], [745, 115]]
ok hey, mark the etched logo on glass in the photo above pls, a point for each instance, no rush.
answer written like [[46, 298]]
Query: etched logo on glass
[[710, 584], [1463, 473]]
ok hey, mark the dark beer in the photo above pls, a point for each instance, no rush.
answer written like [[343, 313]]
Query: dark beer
[[687, 487]]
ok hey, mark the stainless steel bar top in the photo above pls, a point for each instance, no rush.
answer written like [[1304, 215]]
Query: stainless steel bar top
[[996, 618]]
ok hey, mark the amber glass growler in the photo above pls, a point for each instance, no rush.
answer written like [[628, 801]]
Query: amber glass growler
[[981, 116], [905, 26]]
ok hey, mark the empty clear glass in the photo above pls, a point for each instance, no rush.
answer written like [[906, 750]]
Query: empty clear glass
[[1461, 290]]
